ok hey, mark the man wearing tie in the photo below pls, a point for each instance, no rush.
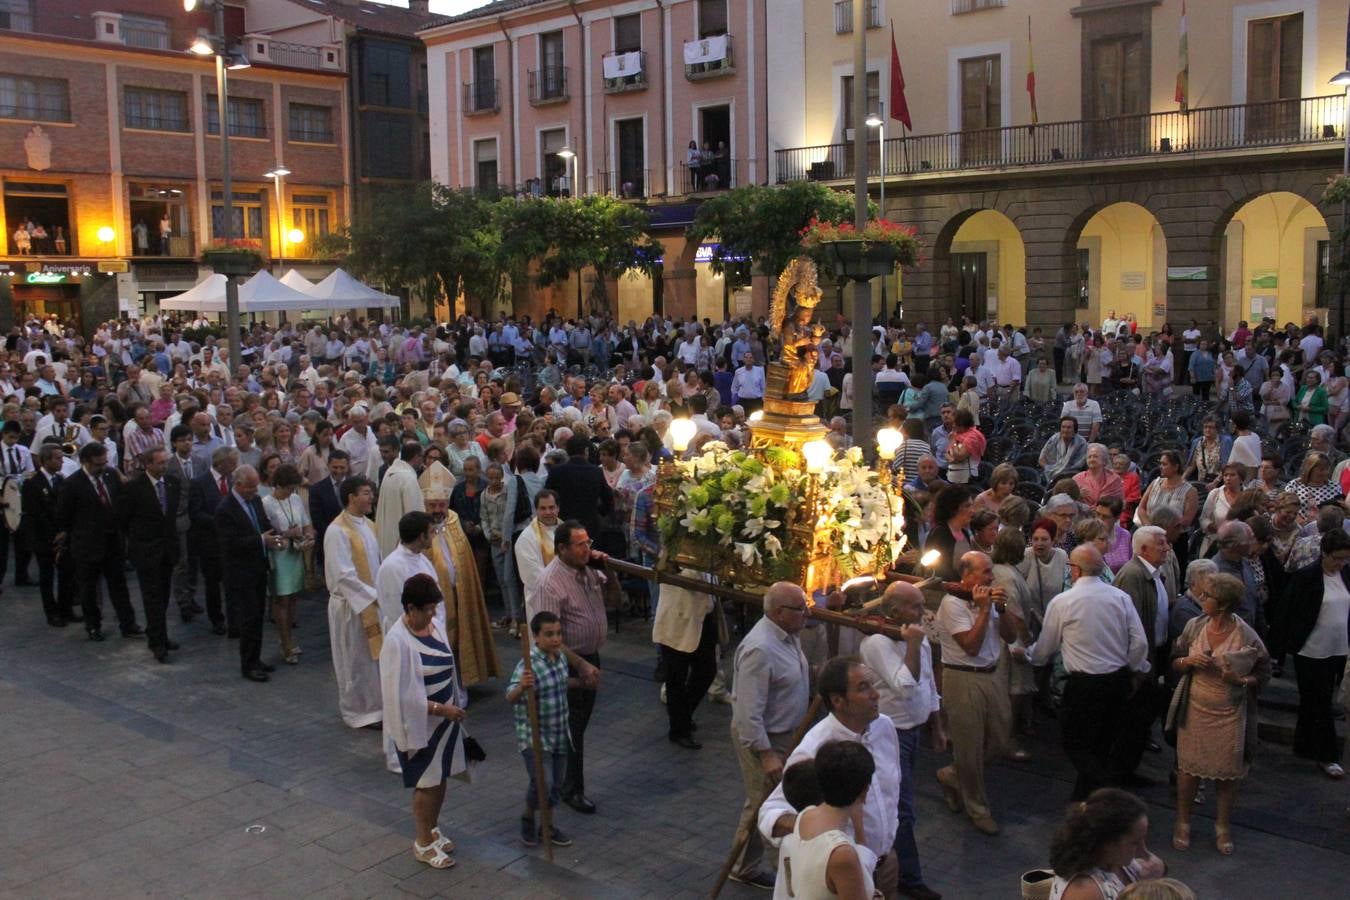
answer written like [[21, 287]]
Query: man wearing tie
[[325, 499], [245, 537], [86, 520], [180, 465], [149, 513], [16, 461], [205, 494], [39, 524]]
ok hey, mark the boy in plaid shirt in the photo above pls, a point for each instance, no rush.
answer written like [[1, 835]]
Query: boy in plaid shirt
[[548, 676]]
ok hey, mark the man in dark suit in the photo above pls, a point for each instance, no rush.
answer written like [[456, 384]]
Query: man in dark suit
[[39, 523], [86, 520], [204, 495], [325, 504], [184, 582], [1150, 580], [583, 493], [149, 512], [245, 537]]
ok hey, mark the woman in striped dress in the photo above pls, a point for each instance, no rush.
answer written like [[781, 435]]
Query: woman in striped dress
[[423, 712]]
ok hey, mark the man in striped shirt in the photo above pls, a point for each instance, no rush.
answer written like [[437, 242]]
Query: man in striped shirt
[[140, 437], [574, 592]]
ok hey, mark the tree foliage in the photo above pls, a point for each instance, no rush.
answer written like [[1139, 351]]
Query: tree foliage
[[764, 224], [433, 238], [555, 238]]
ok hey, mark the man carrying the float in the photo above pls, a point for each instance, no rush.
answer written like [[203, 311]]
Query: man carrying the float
[[466, 617], [351, 562]]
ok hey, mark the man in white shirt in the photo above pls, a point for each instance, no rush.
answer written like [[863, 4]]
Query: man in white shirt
[[904, 671], [1088, 413], [979, 711], [1095, 627], [360, 443], [57, 423], [747, 385], [1007, 371], [698, 407], [845, 685]]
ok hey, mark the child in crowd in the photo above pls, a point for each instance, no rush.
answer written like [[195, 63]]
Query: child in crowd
[[547, 675]]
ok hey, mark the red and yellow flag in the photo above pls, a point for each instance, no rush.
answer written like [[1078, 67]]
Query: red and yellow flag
[[1031, 77], [1183, 95]]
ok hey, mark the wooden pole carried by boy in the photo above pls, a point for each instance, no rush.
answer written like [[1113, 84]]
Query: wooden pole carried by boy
[[541, 788]]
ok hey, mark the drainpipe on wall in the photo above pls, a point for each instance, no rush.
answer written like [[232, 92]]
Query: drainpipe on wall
[[511, 92], [665, 86], [583, 133]]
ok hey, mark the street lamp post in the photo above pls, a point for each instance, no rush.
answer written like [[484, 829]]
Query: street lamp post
[[878, 121], [862, 291], [216, 46], [278, 172], [1342, 80], [567, 154]]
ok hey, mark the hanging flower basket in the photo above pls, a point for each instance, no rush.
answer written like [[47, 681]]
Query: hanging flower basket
[[861, 254], [240, 257]]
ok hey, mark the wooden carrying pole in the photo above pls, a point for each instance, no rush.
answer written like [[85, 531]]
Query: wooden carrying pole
[[743, 834], [541, 790]]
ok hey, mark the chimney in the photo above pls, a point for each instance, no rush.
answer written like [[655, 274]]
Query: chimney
[[420, 6]]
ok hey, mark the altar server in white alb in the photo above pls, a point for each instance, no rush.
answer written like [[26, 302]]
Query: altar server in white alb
[[351, 562], [399, 493], [408, 559]]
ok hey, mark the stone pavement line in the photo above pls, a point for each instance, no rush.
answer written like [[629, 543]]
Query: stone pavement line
[[165, 765]]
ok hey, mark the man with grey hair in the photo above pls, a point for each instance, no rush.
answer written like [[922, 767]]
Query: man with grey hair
[[772, 687], [1151, 583], [246, 536], [1085, 411], [904, 672], [1094, 626], [1235, 540], [1322, 439]]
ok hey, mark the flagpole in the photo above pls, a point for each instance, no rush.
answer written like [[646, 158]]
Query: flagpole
[[862, 290]]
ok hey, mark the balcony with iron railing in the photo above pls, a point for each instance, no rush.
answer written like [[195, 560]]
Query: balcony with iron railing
[[481, 97], [711, 175], [709, 57], [296, 56], [548, 85], [627, 184], [625, 71], [1279, 124], [145, 35]]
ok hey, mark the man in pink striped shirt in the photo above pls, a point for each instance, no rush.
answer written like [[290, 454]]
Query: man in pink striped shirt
[[569, 588]]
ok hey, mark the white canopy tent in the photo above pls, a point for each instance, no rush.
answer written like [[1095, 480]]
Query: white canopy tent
[[293, 279], [341, 291], [261, 293]]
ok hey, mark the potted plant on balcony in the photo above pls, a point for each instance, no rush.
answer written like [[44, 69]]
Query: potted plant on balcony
[[234, 257], [861, 254]]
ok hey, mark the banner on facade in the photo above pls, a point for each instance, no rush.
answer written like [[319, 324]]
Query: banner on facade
[[1187, 273], [705, 50], [624, 65]]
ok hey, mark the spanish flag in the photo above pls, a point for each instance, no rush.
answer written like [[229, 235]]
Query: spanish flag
[[1183, 94], [1031, 78]]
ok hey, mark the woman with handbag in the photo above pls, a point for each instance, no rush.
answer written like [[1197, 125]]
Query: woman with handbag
[[1223, 664]]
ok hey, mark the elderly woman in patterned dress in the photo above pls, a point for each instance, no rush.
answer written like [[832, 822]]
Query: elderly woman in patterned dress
[[1223, 663]]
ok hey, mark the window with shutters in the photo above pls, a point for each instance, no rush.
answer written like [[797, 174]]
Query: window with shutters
[[485, 164], [1274, 78], [712, 17], [981, 109], [628, 33], [1118, 99], [38, 99]]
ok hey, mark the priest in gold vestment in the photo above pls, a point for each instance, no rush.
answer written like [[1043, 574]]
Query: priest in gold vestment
[[466, 617]]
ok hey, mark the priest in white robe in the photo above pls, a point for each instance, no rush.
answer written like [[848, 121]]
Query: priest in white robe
[[351, 561], [534, 546], [408, 559], [399, 494]]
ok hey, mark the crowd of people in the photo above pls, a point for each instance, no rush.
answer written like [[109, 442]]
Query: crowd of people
[[440, 482]]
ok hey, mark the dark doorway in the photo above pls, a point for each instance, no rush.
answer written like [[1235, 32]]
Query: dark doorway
[[970, 286], [715, 129], [632, 181], [40, 301]]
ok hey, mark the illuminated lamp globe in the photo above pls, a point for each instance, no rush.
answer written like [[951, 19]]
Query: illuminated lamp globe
[[682, 431], [756, 416], [106, 234], [295, 236], [930, 559], [817, 454], [888, 441]]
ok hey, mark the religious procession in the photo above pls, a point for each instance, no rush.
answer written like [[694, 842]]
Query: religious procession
[[1122, 537]]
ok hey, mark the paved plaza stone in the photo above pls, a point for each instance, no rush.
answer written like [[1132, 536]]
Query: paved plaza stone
[[123, 778]]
